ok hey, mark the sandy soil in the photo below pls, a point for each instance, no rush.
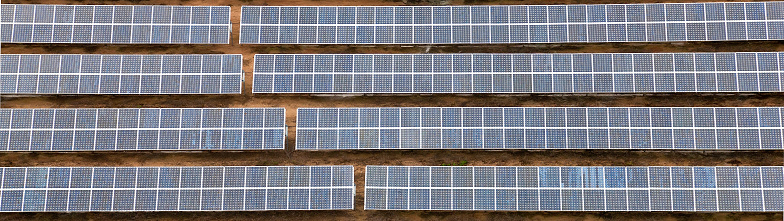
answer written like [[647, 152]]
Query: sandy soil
[[362, 158]]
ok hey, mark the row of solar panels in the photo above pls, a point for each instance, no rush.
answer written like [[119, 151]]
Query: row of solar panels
[[142, 129], [115, 24], [511, 34], [574, 188], [539, 128], [386, 73], [512, 14], [512, 24], [148, 24], [121, 74], [518, 73], [80, 189], [391, 128]]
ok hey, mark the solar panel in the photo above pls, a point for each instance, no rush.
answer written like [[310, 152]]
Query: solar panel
[[129, 129], [518, 73], [121, 74], [483, 24], [702, 128], [115, 189], [696, 189], [115, 24]]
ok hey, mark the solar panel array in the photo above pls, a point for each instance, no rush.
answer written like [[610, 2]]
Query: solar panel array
[[120, 74], [539, 128], [574, 188], [130, 129], [512, 24], [115, 24], [122, 189], [519, 73]]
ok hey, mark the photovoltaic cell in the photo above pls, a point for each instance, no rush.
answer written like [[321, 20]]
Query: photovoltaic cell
[[518, 73], [704, 128], [132, 129], [502, 188], [115, 24], [482, 24], [124, 189], [121, 74]]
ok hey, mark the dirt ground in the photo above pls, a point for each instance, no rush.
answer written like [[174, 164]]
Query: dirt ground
[[362, 158]]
